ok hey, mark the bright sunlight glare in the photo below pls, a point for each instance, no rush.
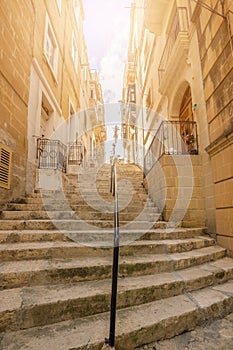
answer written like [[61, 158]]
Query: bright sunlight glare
[[106, 29]]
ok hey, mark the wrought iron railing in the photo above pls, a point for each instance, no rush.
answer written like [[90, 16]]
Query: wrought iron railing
[[172, 138], [180, 24], [75, 153], [51, 154]]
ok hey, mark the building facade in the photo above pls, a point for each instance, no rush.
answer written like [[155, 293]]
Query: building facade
[[181, 73], [45, 81]]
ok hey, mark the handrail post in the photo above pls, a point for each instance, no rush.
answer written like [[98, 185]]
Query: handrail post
[[111, 340]]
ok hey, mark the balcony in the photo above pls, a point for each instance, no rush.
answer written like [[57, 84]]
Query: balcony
[[155, 15], [172, 138], [51, 154], [175, 52]]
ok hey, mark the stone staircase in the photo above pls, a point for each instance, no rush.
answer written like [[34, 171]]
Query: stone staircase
[[56, 263]]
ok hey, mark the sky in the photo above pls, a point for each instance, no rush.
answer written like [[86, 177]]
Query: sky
[[106, 29]]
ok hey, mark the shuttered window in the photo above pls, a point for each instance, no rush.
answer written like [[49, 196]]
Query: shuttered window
[[5, 166]]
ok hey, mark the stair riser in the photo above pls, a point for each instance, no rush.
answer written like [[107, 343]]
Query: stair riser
[[80, 201], [53, 312], [13, 237], [134, 188], [43, 215], [88, 273], [173, 234], [170, 328], [71, 225], [165, 249], [40, 236], [89, 191], [80, 251], [80, 208]]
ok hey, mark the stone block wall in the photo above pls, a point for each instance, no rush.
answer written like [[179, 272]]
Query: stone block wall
[[16, 39], [215, 37], [175, 184]]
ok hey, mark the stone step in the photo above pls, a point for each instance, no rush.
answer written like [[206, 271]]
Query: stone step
[[42, 305], [67, 215], [65, 249], [135, 325], [78, 191], [120, 174], [14, 236], [48, 271], [71, 225], [78, 208], [173, 233], [82, 201], [104, 185]]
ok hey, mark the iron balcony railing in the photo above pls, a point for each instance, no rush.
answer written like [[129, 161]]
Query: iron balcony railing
[[51, 154], [75, 153], [172, 138], [180, 24]]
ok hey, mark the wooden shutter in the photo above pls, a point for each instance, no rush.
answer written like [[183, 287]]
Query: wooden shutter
[[5, 166]]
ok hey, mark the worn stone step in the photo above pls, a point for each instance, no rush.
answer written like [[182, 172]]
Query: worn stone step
[[66, 215], [47, 271], [135, 241], [81, 201], [104, 187], [14, 236], [71, 225], [42, 305], [125, 190], [135, 325], [65, 249], [173, 233], [78, 208]]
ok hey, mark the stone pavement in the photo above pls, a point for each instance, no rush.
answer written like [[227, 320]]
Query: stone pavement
[[217, 335]]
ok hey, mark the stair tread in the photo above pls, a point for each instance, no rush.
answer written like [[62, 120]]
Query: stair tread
[[110, 230], [171, 279], [16, 298], [30, 265], [41, 244], [133, 325]]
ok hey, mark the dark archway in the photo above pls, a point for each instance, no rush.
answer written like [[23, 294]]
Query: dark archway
[[186, 121]]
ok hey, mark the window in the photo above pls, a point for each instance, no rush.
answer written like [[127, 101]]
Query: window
[[51, 47], [59, 5], [75, 52], [92, 91], [131, 93], [46, 121], [5, 166], [85, 71]]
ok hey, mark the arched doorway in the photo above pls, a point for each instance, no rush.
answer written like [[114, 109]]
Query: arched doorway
[[186, 119]]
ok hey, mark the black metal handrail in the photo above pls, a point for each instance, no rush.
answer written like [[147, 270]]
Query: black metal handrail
[[172, 138], [113, 190], [51, 154]]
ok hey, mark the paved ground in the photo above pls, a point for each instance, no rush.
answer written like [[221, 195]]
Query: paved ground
[[217, 335]]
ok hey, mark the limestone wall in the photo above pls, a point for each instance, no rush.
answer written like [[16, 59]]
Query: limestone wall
[[175, 184], [16, 39], [215, 37]]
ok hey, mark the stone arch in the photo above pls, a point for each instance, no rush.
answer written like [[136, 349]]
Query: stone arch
[[176, 100]]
